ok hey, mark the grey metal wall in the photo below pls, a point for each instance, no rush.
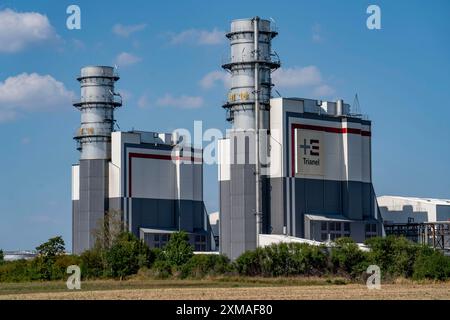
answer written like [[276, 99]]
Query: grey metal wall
[[167, 214], [89, 211], [351, 199]]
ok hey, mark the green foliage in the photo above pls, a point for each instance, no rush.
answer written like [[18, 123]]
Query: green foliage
[[201, 265], [348, 258], [53, 247], [283, 260], [161, 269], [2, 256], [178, 251], [48, 252], [394, 255], [92, 264], [431, 264], [127, 255]]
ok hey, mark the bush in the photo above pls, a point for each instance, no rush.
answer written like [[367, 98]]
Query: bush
[[127, 255], [283, 260], [249, 263], [161, 269], [347, 258], [394, 255], [431, 264], [2, 257], [201, 265], [92, 264], [178, 251]]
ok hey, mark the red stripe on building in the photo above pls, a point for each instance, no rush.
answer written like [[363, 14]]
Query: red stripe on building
[[154, 156], [323, 129]]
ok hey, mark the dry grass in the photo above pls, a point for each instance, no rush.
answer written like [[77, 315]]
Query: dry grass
[[226, 288]]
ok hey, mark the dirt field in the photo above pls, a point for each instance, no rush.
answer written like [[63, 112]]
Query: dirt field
[[211, 290]]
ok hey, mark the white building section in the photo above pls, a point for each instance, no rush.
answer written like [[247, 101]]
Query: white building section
[[400, 210]]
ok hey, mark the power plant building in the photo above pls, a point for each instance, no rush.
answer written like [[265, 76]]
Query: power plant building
[[314, 165], [294, 167], [156, 187]]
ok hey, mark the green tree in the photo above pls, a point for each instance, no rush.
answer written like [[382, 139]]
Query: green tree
[[2, 256], [178, 251], [48, 251], [53, 247], [127, 255]]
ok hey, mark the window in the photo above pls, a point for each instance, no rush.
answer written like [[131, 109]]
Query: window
[[156, 238], [199, 242], [331, 225], [336, 229], [371, 230]]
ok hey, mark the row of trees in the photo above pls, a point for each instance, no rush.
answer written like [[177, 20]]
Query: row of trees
[[119, 254]]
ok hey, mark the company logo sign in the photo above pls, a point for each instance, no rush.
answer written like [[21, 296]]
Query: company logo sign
[[309, 152]]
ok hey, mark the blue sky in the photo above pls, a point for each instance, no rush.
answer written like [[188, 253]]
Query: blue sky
[[169, 55]]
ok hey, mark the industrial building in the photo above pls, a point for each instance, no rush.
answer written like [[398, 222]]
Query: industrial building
[[312, 178], [396, 209], [155, 186]]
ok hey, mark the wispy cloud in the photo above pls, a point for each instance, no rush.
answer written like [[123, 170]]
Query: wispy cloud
[[127, 59], [324, 91], [144, 101], [127, 30], [302, 77], [211, 78], [198, 37], [30, 93], [317, 34], [297, 77], [183, 102], [19, 30]]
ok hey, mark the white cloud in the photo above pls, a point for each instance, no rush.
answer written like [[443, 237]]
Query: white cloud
[[308, 77], [19, 30], [210, 79], [297, 77], [143, 101], [324, 91], [126, 31], [184, 102], [198, 37], [127, 59], [30, 93]]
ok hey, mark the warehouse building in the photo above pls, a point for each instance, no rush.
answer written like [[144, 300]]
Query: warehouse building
[[401, 210], [156, 186], [312, 178]]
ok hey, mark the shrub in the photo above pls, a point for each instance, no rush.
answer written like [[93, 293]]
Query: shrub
[[2, 257], [59, 267], [92, 264], [394, 255], [283, 260], [178, 251], [348, 258], [201, 265], [127, 255], [161, 269], [248, 263], [431, 264]]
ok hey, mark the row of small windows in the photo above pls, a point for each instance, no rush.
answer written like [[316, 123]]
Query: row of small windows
[[333, 230], [160, 240]]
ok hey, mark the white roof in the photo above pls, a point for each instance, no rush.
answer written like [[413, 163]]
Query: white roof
[[445, 202]]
